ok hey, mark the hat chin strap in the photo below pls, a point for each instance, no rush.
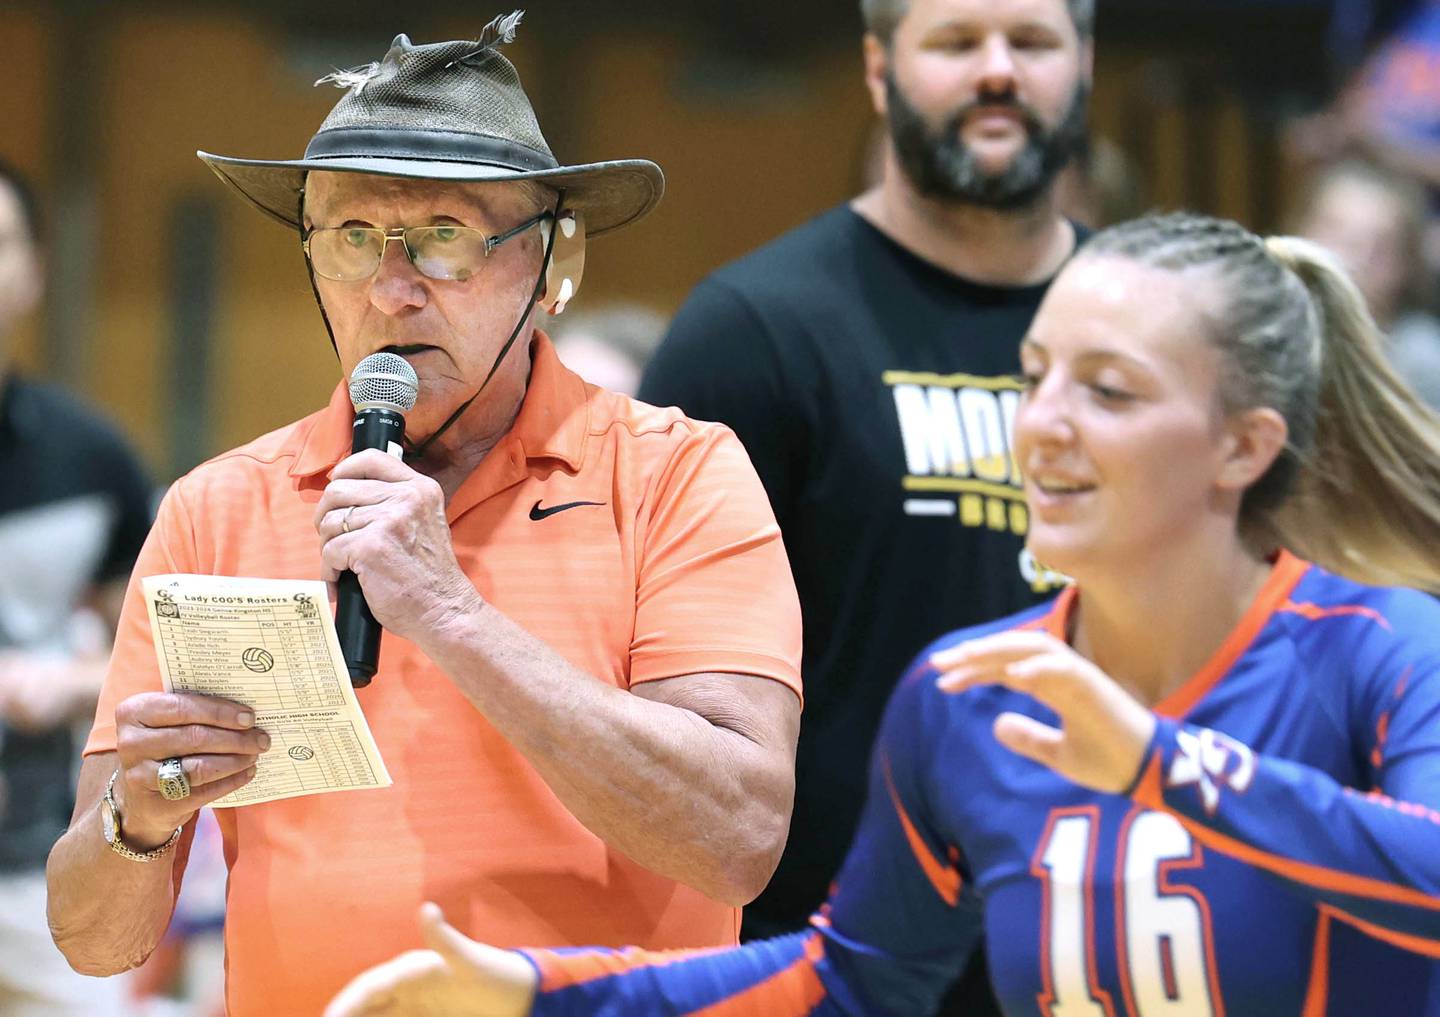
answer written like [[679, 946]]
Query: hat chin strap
[[417, 451], [310, 274]]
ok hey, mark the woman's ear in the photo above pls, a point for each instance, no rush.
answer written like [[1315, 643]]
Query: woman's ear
[[1255, 438]]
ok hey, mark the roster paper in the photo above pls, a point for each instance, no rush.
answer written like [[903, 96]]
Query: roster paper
[[270, 644]]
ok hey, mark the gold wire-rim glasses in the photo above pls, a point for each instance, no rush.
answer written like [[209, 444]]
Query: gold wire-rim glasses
[[410, 239]]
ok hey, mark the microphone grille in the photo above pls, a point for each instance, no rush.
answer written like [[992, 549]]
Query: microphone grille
[[385, 380]]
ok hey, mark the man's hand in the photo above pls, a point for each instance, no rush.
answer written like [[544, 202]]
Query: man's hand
[[456, 975], [386, 523], [1103, 731], [40, 692], [215, 739]]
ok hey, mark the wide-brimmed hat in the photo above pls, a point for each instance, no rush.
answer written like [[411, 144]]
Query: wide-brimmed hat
[[444, 111]]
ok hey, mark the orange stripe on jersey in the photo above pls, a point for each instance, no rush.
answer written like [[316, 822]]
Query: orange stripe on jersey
[[1382, 726], [1057, 620], [1283, 577], [1287, 572], [1317, 996], [1314, 612], [789, 993], [1148, 793], [561, 971], [944, 878], [1415, 944], [1382, 732]]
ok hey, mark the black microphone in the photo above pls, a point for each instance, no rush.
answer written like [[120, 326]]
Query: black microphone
[[383, 388]]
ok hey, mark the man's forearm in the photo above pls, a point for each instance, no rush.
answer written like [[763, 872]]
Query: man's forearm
[[107, 913], [683, 791]]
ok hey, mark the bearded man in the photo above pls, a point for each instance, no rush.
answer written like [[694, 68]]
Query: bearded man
[[867, 362]]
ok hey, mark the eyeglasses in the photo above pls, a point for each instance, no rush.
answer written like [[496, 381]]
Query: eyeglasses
[[353, 253]]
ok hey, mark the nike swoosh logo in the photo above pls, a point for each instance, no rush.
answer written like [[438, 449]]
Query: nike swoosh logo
[[537, 513]]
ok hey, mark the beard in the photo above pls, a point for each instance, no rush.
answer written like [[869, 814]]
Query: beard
[[941, 166]]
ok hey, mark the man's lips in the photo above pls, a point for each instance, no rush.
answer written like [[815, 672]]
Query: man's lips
[[995, 118], [1008, 112], [408, 349]]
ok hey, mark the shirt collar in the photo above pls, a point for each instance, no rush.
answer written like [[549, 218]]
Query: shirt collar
[[323, 439], [555, 416], [1286, 569], [552, 422]]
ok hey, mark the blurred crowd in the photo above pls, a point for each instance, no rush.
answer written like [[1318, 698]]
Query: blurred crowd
[[1366, 185]]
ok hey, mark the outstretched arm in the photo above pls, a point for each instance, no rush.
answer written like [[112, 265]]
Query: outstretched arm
[[898, 929], [453, 975]]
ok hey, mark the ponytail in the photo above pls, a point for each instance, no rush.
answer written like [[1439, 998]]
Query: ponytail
[[1366, 501]]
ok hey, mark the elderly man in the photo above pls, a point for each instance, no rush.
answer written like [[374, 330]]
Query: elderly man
[[588, 692]]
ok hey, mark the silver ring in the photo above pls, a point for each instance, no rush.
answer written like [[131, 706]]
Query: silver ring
[[345, 519], [171, 777]]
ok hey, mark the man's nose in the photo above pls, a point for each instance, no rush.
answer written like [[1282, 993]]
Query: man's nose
[[997, 67], [396, 284]]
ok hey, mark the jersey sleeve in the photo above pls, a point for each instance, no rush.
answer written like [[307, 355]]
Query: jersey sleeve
[[1369, 858], [904, 916], [720, 361], [169, 547], [714, 592], [898, 928]]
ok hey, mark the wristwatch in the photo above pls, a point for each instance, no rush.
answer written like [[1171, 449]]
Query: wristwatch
[[110, 824]]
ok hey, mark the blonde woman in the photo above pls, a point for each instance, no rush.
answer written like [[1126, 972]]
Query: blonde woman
[[1201, 781]]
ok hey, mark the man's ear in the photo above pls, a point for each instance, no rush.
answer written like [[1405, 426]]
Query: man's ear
[[33, 278], [877, 65], [25, 291], [35, 283], [1255, 439], [567, 260]]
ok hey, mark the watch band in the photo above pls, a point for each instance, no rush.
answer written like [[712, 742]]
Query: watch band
[[117, 843]]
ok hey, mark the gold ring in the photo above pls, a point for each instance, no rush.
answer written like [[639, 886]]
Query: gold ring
[[172, 781], [345, 520]]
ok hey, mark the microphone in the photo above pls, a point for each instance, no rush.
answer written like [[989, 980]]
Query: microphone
[[383, 388]]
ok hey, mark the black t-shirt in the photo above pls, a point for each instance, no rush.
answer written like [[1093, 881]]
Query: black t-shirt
[[74, 511], [876, 394]]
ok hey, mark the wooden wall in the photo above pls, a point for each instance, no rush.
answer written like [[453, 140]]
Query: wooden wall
[[749, 149]]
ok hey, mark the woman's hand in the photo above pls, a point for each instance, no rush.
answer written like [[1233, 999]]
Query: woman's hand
[[456, 975], [1103, 731]]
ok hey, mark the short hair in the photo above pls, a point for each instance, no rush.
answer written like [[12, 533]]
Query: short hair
[[24, 191], [881, 16]]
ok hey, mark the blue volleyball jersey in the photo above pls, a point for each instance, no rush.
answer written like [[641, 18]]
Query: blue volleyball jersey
[[1279, 853]]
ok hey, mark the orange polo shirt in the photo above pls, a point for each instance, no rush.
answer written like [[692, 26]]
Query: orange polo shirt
[[680, 570]]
